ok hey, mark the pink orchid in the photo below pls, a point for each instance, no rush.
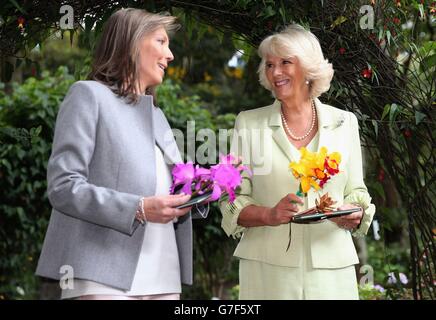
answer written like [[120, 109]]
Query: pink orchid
[[227, 177], [229, 159], [235, 161], [202, 175], [183, 174], [224, 177]]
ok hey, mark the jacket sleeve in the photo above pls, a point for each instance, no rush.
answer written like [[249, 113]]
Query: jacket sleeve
[[69, 190], [240, 146], [356, 191]]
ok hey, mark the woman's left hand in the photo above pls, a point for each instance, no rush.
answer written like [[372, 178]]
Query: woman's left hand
[[350, 221]]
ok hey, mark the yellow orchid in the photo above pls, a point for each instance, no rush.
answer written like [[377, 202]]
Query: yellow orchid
[[300, 169], [333, 160], [319, 174], [335, 156], [312, 159], [307, 182], [314, 169]]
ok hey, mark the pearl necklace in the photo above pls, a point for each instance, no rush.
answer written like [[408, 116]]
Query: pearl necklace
[[294, 137]]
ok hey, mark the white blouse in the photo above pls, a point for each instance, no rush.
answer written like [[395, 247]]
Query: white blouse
[[158, 269]]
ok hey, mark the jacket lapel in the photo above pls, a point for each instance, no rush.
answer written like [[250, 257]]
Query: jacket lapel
[[327, 123], [279, 135], [163, 135], [165, 138], [325, 126]]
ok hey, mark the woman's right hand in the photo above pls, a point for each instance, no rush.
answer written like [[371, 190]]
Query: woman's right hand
[[161, 209], [283, 211]]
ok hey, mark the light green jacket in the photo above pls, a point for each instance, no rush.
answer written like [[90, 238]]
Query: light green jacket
[[260, 139]]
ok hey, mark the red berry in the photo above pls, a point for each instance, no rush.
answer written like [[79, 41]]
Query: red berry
[[407, 133], [381, 175], [366, 73]]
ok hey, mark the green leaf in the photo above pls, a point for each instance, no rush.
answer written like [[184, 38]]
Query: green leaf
[[20, 8], [220, 36], [419, 116], [380, 34], [201, 30], [428, 46], [21, 214], [20, 154], [338, 21], [393, 112], [374, 76], [375, 124], [6, 164], [269, 12], [428, 62], [283, 13], [421, 10], [385, 111]]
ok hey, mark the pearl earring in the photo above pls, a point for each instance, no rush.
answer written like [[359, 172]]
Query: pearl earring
[[307, 82]]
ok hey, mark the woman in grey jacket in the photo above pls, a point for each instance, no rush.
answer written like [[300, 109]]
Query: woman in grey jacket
[[114, 232]]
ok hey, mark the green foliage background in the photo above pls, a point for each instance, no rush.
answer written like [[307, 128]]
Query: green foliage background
[[24, 207]]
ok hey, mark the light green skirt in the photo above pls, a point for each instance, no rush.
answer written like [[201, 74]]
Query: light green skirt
[[262, 281]]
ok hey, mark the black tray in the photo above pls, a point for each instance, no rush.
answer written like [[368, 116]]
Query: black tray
[[305, 218], [196, 200]]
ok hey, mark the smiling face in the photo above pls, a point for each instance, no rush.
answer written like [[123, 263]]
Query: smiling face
[[154, 57], [285, 76]]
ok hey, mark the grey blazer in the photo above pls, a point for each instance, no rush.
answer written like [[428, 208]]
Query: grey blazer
[[102, 163]]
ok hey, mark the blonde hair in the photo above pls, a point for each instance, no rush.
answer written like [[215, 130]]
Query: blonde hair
[[116, 57], [295, 41]]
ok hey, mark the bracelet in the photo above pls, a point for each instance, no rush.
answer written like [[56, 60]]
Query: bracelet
[[140, 214]]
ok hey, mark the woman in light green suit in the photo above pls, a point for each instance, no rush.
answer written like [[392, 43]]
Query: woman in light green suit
[[320, 261]]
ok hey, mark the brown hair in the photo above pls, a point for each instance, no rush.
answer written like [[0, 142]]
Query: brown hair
[[116, 56]]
